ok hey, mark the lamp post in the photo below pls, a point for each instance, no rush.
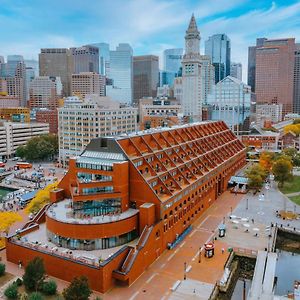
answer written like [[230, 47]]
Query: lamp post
[[247, 204], [184, 276], [199, 259]]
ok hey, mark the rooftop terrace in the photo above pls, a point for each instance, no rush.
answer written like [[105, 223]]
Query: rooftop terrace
[[63, 212]]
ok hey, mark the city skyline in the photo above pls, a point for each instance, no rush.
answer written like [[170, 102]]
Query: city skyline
[[72, 23]]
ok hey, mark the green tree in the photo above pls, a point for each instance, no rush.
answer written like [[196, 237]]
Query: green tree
[[34, 275], [2, 269], [39, 148], [49, 287], [21, 151], [11, 291], [78, 289], [294, 155], [282, 169], [256, 175]]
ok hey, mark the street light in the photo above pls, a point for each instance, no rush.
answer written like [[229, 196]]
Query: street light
[[247, 204], [184, 276], [199, 259]]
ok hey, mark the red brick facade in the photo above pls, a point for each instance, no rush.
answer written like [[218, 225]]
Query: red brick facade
[[166, 179]]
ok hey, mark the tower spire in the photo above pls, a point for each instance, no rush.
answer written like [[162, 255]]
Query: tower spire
[[193, 25]]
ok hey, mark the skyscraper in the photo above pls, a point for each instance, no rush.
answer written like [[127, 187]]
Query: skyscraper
[[57, 62], [34, 65], [14, 73], [218, 48], [208, 77], [191, 73], [252, 62], [86, 59], [274, 74], [12, 62], [172, 59], [297, 80], [236, 70], [121, 75], [145, 76], [103, 58]]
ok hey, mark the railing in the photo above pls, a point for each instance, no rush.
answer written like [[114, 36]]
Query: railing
[[131, 256], [245, 252], [37, 217]]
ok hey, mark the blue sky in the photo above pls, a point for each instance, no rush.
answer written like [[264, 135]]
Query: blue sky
[[149, 26]]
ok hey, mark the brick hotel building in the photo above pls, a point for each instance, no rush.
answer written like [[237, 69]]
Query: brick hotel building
[[126, 198]]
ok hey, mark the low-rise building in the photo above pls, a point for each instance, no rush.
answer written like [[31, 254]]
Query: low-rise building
[[13, 135], [9, 101], [80, 121], [159, 112], [267, 141], [49, 116], [15, 114], [268, 113]]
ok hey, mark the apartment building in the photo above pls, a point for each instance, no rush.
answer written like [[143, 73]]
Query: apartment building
[[80, 121]]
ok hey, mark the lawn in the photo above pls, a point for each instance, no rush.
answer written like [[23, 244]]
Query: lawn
[[295, 199], [291, 186]]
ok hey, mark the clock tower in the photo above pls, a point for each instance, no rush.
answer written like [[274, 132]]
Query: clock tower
[[192, 38], [191, 74]]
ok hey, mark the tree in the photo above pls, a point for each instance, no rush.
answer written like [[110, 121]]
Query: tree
[[78, 289], [21, 151], [11, 291], [256, 176], [282, 169], [39, 148], [49, 287], [295, 128], [293, 154], [6, 220], [266, 160], [2, 269], [34, 275], [41, 198]]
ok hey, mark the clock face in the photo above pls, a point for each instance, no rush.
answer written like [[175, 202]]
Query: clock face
[[190, 43]]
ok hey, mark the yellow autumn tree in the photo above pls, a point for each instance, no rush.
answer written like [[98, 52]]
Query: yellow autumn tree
[[266, 160], [6, 220], [41, 198], [295, 128]]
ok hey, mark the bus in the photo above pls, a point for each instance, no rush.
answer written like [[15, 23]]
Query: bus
[[24, 165]]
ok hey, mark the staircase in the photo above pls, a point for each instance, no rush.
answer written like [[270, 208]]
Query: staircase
[[37, 218], [122, 272]]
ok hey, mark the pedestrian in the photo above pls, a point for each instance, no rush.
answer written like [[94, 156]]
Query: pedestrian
[[20, 264], [223, 250], [252, 221]]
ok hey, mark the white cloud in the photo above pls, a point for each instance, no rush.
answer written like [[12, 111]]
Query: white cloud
[[149, 25]]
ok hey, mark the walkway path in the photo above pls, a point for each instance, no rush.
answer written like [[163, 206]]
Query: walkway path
[[292, 194], [156, 282]]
